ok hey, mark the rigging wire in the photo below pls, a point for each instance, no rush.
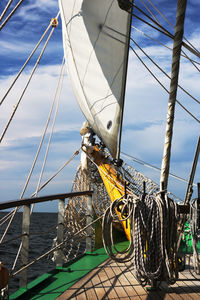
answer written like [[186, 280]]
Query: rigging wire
[[5, 9], [5, 218], [50, 137], [40, 177], [172, 26], [192, 50], [195, 118], [161, 31], [30, 77], [148, 9], [31, 171], [20, 71], [182, 54], [163, 70], [34, 194], [49, 180], [158, 68], [161, 14], [155, 22], [57, 172], [55, 248], [143, 163], [11, 14], [35, 160]]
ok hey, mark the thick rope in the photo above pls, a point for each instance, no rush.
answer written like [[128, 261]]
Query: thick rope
[[110, 217], [153, 225]]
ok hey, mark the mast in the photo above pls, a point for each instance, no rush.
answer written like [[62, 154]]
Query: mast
[[180, 17]]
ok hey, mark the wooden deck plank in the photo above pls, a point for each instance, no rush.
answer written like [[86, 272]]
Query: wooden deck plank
[[111, 293], [90, 293], [117, 281], [81, 295]]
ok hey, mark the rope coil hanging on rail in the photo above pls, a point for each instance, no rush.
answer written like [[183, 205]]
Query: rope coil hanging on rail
[[153, 226]]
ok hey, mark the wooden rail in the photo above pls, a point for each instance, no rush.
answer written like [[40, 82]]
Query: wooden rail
[[25, 201]]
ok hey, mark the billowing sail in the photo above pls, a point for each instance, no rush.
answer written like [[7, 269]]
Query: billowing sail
[[96, 44]]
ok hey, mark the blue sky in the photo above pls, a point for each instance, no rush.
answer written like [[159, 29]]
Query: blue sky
[[145, 109]]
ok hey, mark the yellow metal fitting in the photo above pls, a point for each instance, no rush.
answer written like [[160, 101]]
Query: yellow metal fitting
[[54, 22]]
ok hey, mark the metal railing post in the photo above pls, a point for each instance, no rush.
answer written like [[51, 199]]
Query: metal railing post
[[60, 232], [89, 219], [25, 245]]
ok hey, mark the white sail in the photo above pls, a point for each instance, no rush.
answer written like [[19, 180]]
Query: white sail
[[96, 44]]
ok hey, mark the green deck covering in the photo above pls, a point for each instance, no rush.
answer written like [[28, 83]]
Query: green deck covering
[[53, 284], [186, 241]]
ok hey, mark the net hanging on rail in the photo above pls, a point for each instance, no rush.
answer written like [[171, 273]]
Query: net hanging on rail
[[76, 208]]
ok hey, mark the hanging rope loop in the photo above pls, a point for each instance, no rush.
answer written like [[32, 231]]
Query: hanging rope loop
[[153, 227]]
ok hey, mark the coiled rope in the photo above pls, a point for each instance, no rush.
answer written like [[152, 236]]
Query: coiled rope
[[111, 217], [153, 226]]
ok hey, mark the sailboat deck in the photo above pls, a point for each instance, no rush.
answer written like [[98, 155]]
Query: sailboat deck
[[112, 280]]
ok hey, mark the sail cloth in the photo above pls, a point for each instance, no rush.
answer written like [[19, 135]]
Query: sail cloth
[[96, 43]]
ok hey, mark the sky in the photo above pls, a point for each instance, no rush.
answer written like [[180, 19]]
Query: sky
[[145, 103]]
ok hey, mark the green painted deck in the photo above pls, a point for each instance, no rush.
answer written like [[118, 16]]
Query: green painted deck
[[94, 276], [53, 284]]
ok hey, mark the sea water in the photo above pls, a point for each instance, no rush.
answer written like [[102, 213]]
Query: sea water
[[40, 242]]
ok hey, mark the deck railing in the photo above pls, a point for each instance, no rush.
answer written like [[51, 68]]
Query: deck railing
[[26, 203]]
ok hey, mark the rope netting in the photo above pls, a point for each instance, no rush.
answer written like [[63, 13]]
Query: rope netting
[[76, 208]]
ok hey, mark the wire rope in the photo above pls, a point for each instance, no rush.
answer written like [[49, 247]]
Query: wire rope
[[26, 62], [50, 137], [55, 248], [34, 194], [195, 118], [141, 162], [160, 43], [11, 14], [30, 77], [161, 14], [191, 49], [5, 9], [163, 70]]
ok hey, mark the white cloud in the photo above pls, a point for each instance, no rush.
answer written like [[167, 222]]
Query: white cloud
[[32, 113], [144, 116], [28, 11]]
